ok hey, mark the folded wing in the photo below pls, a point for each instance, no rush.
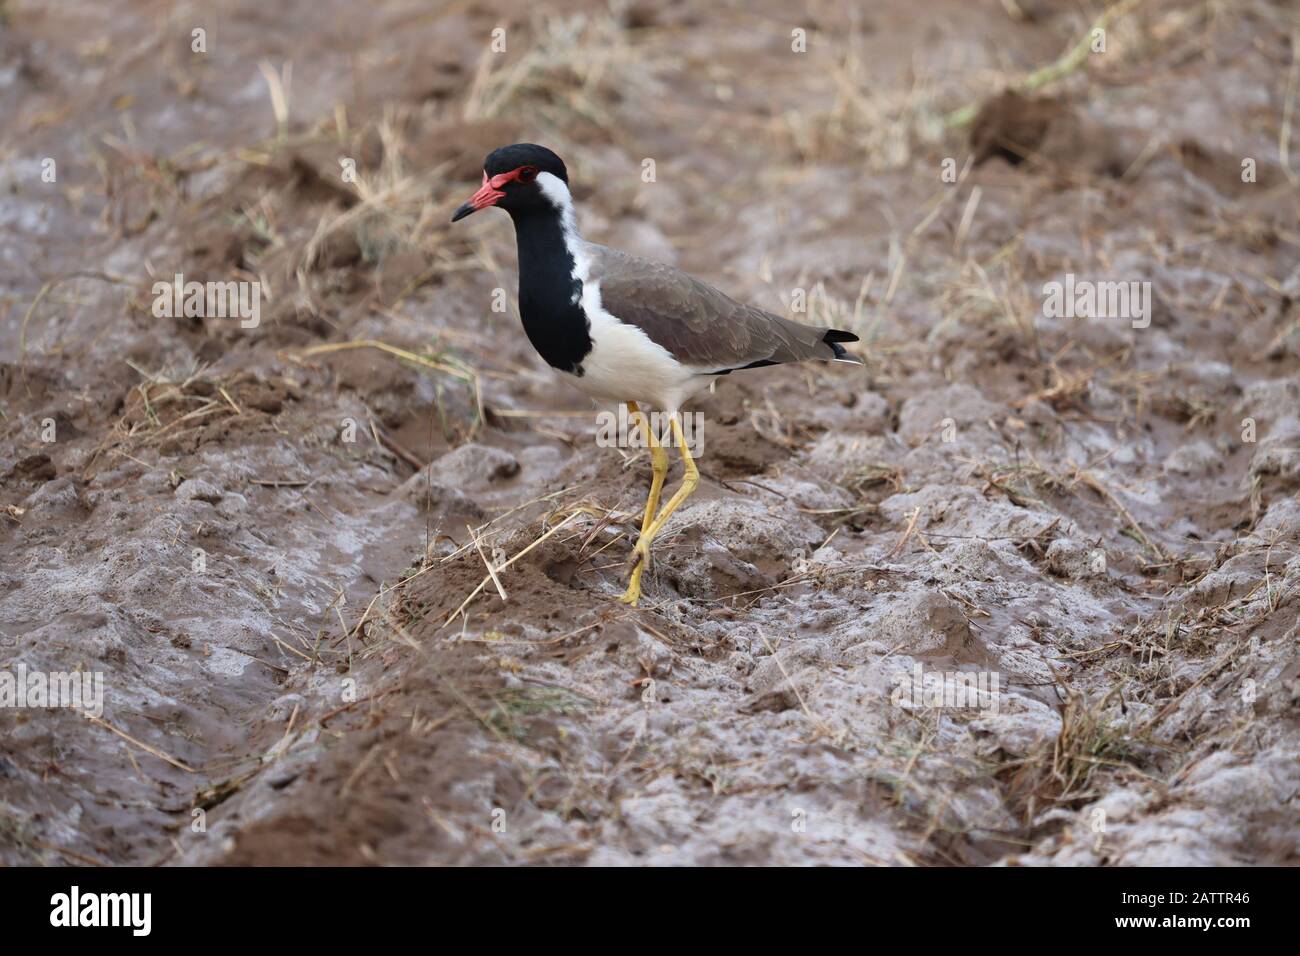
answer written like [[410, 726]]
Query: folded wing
[[701, 327]]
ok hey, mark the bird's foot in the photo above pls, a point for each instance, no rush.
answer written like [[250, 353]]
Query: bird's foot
[[632, 594], [639, 561]]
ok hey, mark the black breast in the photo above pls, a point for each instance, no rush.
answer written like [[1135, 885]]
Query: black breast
[[550, 298]]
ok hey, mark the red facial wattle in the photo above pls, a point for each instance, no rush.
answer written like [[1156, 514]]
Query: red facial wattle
[[492, 190]]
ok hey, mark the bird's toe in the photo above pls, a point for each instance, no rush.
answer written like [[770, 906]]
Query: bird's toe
[[640, 557]]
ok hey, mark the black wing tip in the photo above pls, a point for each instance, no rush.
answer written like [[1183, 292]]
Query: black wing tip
[[833, 338]]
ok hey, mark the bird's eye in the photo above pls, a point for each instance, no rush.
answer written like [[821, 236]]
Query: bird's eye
[[527, 174]]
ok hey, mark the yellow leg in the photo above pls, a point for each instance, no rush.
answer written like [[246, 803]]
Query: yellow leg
[[642, 552], [658, 462]]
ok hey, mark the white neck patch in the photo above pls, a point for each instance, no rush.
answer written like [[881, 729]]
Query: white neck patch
[[555, 190]]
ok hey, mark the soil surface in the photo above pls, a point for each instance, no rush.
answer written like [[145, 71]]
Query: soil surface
[[273, 542]]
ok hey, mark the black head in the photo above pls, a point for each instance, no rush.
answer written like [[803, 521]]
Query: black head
[[510, 180]]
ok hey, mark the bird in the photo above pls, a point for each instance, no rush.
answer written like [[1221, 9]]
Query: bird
[[629, 330]]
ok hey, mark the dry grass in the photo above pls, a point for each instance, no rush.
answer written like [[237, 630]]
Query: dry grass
[[992, 293], [165, 407], [574, 69], [1066, 771], [880, 128], [1070, 62]]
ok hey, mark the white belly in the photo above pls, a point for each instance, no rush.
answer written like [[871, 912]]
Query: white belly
[[624, 364]]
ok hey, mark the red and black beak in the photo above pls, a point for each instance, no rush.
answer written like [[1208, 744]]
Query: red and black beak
[[488, 195], [493, 190]]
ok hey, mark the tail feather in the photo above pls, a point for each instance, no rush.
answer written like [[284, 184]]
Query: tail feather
[[800, 343], [833, 338]]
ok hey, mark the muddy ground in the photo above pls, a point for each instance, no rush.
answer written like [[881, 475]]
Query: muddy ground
[[272, 541]]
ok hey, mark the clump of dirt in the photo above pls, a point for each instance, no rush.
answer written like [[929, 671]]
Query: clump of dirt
[[349, 571]]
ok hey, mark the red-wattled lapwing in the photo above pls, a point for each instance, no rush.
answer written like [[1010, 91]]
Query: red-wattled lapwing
[[629, 330]]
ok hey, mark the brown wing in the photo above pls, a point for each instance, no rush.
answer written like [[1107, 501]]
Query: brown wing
[[700, 326]]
